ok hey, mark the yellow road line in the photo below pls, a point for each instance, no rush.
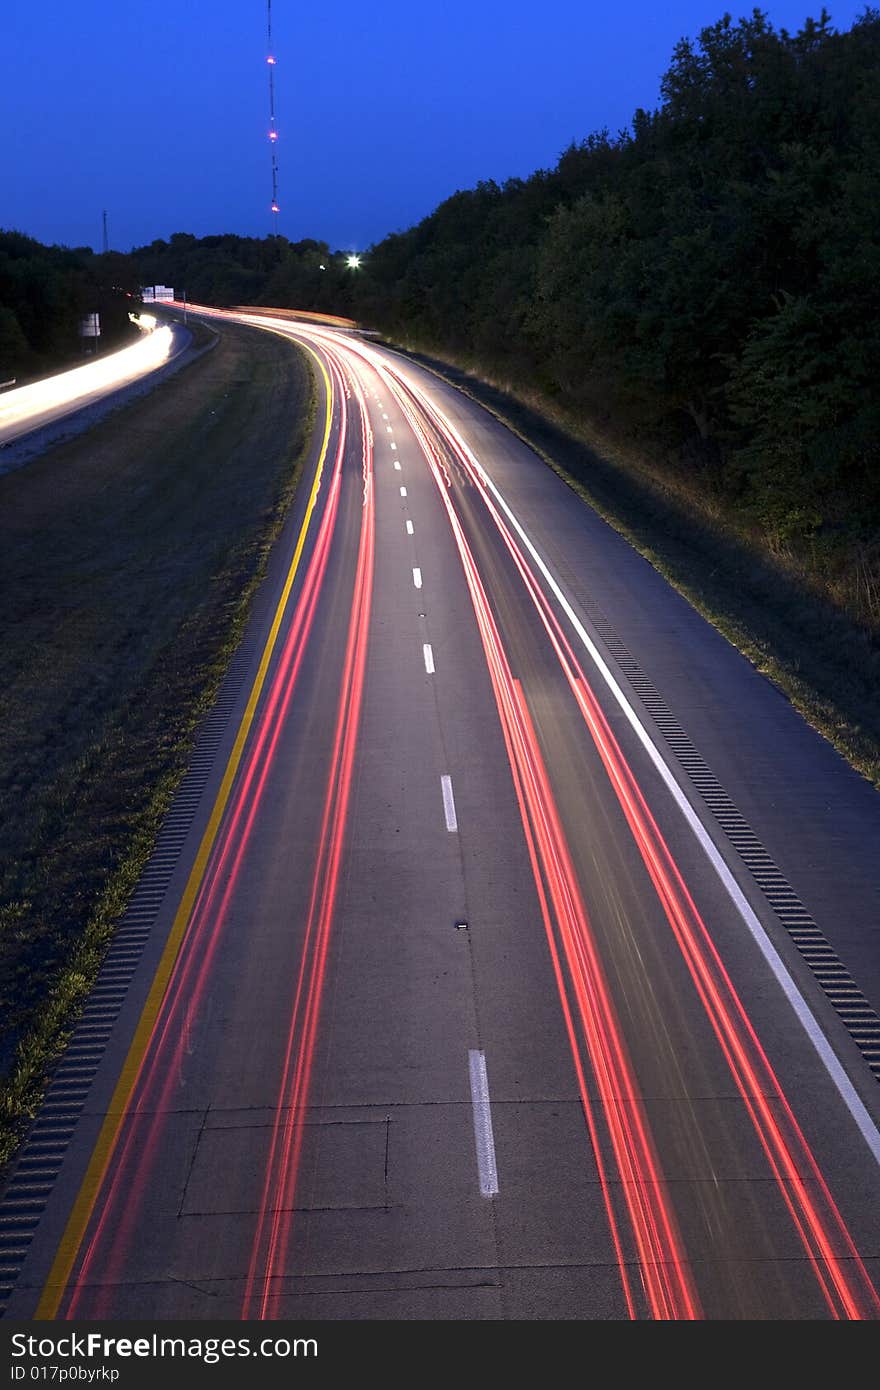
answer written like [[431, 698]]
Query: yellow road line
[[77, 1224]]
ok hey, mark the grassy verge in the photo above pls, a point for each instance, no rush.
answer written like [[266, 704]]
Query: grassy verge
[[827, 664], [129, 559]]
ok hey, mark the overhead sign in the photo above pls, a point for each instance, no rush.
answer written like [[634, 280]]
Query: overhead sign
[[157, 294]]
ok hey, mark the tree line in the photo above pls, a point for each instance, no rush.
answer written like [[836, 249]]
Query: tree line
[[46, 291], [708, 280], [228, 270]]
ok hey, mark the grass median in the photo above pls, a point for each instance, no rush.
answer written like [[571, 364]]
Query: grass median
[[129, 559]]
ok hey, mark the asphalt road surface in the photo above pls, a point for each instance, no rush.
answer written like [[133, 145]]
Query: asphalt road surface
[[461, 1001], [43, 412]]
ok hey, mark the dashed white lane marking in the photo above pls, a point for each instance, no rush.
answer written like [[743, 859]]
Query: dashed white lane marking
[[388, 429], [429, 658], [417, 578], [384, 416], [845, 1088], [487, 1168], [397, 464], [393, 445], [403, 492], [448, 802], [409, 528]]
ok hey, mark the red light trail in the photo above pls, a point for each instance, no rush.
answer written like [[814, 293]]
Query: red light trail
[[273, 1233], [131, 1159], [839, 1270], [665, 1273], [651, 1255]]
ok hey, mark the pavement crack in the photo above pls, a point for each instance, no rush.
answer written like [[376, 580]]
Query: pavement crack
[[192, 1163]]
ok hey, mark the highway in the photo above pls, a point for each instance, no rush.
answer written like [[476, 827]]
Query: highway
[[24, 409], [458, 1000]]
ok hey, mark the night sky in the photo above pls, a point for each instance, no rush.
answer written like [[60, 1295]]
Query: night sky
[[157, 110]]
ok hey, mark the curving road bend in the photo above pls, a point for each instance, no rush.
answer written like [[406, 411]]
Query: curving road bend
[[25, 409], [460, 1005]]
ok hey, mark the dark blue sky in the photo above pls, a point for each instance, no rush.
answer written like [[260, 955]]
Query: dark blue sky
[[157, 109]]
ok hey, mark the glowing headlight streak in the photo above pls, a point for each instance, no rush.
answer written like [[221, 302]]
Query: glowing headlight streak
[[22, 408]]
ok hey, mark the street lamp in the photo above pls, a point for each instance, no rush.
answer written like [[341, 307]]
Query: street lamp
[[353, 262]]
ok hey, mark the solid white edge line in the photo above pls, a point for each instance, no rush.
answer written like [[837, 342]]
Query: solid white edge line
[[417, 577], [845, 1088], [429, 658], [484, 1139], [827, 1055], [448, 803], [409, 527]]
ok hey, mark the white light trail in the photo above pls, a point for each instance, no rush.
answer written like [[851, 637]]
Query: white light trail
[[23, 407]]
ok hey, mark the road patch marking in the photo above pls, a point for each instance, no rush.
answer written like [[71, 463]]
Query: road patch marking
[[448, 803], [484, 1139]]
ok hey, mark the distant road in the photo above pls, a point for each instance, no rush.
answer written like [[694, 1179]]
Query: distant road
[[469, 995], [25, 409]]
